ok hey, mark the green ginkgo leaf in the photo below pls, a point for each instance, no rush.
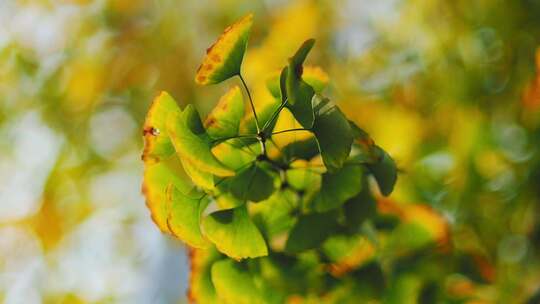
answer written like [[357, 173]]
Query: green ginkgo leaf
[[157, 177], [252, 184], [338, 187], [224, 120], [184, 213], [234, 234], [299, 93], [192, 143], [333, 134], [314, 76], [157, 144], [310, 231], [234, 283], [224, 58], [385, 172], [201, 179]]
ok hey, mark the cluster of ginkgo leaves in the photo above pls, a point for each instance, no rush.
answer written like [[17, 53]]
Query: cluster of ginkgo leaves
[[277, 181]]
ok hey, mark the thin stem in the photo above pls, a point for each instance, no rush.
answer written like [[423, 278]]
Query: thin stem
[[291, 130], [251, 103], [274, 115]]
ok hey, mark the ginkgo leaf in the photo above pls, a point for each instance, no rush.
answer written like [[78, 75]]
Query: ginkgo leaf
[[224, 120], [299, 93], [274, 214], [302, 177], [224, 58], [201, 289], [231, 156], [234, 283], [157, 177], [234, 234], [314, 76], [338, 187], [252, 184], [365, 149], [202, 179], [360, 207], [157, 144], [192, 143], [385, 172], [184, 213], [310, 231], [333, 134]]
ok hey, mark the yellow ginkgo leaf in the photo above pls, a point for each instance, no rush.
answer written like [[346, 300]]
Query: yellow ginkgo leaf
[[224, 58], [157, 144]]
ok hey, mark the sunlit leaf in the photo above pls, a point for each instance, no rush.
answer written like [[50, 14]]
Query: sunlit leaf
[[156, 140], [224, 58], [274, 214], [231, 156], [252, 184], [338, 187], [385, 172], [314, 76], [201, 289], [333, 134], [184, 213], [311, 230], [157, 177], [202, 179], [192, 143], [224, 120], [235, 284], [302, 177], [299, 93], [234, 234]]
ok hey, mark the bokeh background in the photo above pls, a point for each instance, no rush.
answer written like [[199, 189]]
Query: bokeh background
[[450, 88]]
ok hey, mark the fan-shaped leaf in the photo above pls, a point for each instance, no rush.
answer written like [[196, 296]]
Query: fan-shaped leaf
[[338, 187], [385, 172], [157, 176], [299, 93], [224, 120], [184, 214], [224, 58], [235, 284], [201, 288], [192, 143], [156, 140], [234, 234], [310, 231], [252, 184], [202, 179], [314, 76], [333, 134]]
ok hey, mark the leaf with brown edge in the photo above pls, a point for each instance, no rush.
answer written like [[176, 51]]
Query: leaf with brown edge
[[224, 58], [157, 177], [201, 289], [191, 142], [224, 120], [157, 144], [184, 213]]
